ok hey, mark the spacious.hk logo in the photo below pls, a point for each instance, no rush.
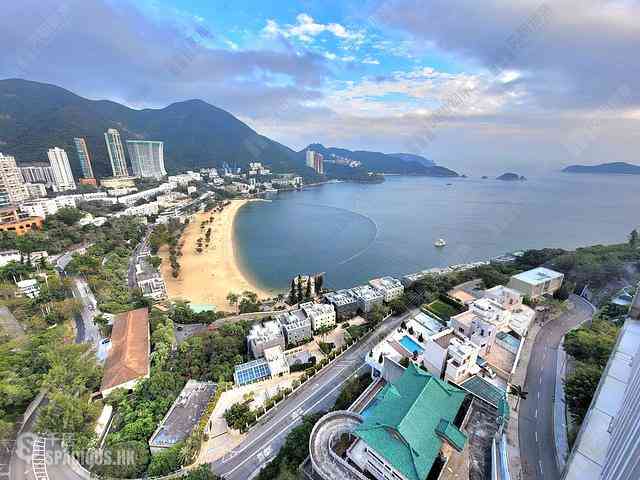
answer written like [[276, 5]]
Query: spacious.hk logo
[[52, 450]]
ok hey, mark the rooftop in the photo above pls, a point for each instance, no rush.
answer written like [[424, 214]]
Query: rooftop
[[129, 355], [385, 283], [340, 297], [264, 331], [184, 414], [366, 293], [403, 425], [538, 275]]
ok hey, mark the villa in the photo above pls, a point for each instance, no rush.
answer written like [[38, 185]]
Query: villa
[[390, 287], [537, 282], [321, 315], [265, 335], [345, 304], [367, 297], [411, 428]]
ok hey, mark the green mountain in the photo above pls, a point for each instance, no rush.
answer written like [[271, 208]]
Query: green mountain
[[36, 116], [613, 167], [382, 162], [411, 157]]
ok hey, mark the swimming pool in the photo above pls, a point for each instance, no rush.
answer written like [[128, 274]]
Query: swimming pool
[[411, 346]]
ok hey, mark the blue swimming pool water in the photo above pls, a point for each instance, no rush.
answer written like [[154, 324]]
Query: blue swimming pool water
[[408, 343]]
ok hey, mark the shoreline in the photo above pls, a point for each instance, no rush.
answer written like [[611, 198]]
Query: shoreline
[[207, 278]]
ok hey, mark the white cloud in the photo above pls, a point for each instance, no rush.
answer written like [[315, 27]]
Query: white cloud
[[371, 61], [307, 29]]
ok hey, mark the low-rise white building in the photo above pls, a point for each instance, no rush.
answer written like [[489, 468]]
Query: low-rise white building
[[44, 207], [391, 288], [147, 194], [277, 361], [537, 282], [321, 315], [461, 360], [367, 297], [29, 288], [265, 335], [145, 210]]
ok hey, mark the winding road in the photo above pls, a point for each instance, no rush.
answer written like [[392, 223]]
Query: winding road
[[536, 413]]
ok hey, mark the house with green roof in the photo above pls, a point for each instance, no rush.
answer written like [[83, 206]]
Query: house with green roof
[[412, 421]]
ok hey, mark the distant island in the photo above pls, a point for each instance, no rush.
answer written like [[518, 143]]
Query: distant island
[[511, 177], [605, 168]]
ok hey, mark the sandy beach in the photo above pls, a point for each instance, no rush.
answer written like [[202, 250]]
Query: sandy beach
[[209, 276]]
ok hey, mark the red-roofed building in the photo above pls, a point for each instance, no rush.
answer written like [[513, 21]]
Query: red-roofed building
[[128, 359]]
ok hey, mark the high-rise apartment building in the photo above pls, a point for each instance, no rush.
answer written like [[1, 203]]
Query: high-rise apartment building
[[315, 160], [147, 158], [11, 182], [62, 175], [83, 157], [116, 153], [608, 444], [37, 174]]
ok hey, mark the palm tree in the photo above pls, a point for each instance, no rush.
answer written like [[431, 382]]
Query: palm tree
[[518, 392], [232, 298]]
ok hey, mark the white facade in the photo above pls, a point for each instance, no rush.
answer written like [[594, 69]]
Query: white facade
[[36, 190], [147, 158], [146, 194], [29, 288], [11, 181], [116, 153], [461, 363], [145, 210], [537, 282], [62, 175], [265, 335], [321, 315], [277, 361], [44, 207], [367, 297], [391, 288]]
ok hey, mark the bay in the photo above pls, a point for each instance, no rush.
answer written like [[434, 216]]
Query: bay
[[355, 232]]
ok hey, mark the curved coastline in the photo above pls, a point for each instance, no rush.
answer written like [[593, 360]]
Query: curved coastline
[[241, 264], [207, 278]]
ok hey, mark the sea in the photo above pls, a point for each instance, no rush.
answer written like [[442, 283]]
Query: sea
[[354, 232]]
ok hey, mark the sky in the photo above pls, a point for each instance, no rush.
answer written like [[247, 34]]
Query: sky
[[482, 87]]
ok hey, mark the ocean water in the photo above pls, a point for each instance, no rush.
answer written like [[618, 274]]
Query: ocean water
[[355, 232]]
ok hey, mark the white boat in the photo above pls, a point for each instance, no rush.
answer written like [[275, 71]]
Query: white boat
[[440, 243]]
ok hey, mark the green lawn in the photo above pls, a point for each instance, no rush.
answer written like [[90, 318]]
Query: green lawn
[[442, 309]]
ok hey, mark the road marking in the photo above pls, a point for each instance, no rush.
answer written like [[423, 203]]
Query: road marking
[[540, 379], [535, 415], [538, 395], [304, 412], [536, 437], [540, 465]]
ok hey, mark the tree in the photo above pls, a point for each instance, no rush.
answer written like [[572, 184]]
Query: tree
[[300, 297], [633, 238], [232, 298], [319, 283], [518, 392], [580, 387]]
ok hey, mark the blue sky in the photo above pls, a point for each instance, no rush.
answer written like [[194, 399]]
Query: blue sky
[[481, 87]]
